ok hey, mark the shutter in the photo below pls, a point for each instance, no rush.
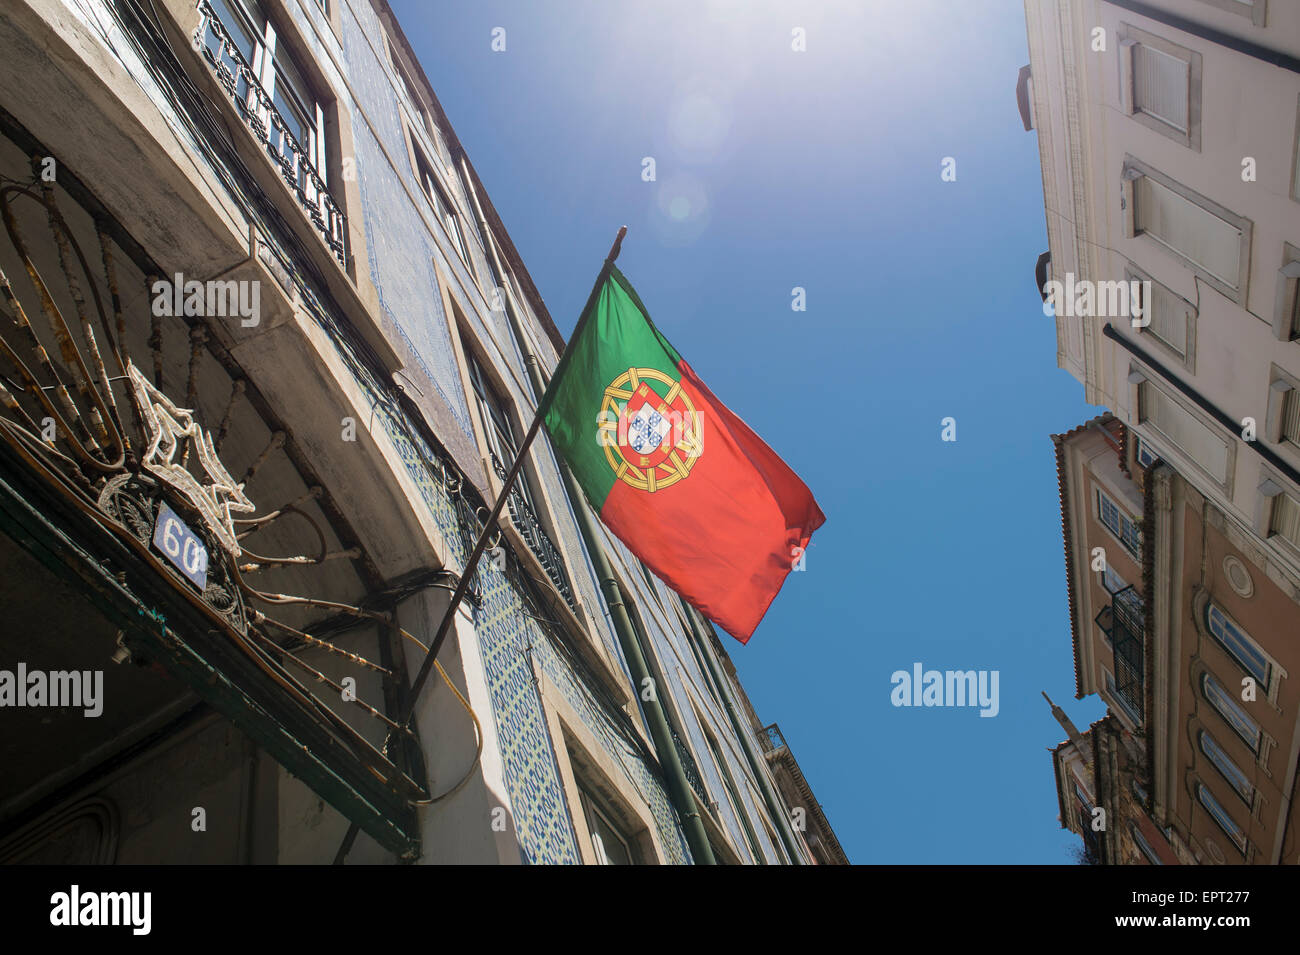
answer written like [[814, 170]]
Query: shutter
[[1192, 232], [1191, 436], [1291, 417], [1295, 299], [1286, 518], [1168, 318], [1160, 86]]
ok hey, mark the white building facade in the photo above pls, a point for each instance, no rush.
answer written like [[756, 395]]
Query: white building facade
[[1168, 134]]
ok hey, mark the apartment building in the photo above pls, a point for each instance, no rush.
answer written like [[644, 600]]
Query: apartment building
[[1168, 133], [266, 354], [1178, 628]]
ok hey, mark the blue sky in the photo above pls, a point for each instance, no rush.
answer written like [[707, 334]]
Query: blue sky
[[821, 169]]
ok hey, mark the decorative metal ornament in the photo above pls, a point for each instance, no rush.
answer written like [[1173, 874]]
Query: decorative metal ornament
[[166, 426]]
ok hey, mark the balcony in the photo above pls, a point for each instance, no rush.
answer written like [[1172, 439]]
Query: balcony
[[260, 114], [1124, 622], [690, 768], [771, 739], [530, 529]]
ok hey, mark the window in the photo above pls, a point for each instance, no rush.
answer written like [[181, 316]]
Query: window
[[1239, 645], [417, 104], [1215, 809], [442, 206], [1285, 521], [1170, 319], [1143, 453], [497, 427], [1120, 524], [1184, 430], [301, 139], [733, 797], [1083, 806], [1282, 423], [1129, 707], [1224, 764], [610, 844], [1204, 235], [1143, 845], [1232, 712], [1112, 581], [1286, 310], [1160, 85]]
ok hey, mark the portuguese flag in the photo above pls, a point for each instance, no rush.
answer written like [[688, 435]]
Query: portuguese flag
[[677, 477]]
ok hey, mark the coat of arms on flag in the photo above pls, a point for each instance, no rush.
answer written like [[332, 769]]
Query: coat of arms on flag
[[658, 432]]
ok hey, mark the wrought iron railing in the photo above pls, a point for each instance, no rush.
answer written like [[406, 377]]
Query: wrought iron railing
[[1127, 626], [525, 520], [771, 739], [690, 768], [259, 112]]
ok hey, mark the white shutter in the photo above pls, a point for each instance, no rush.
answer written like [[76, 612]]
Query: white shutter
[[1160, 86], [1191, 436], [1286, 518], [1189, 230], [1291, 417], [1168, 318]]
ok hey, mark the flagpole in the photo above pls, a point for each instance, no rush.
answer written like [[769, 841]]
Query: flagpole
[[507, 485], [680, 794]]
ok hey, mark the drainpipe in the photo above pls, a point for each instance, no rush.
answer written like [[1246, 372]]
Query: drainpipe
[[679, 790], [757, 764]]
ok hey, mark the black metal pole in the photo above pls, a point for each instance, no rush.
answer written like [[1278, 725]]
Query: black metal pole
[[471, 562]]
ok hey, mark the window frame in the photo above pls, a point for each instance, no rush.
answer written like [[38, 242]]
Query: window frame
[[504, 446], [1123, 516], [1187, 357], [1144, 846], [1286, 306], [732, 792], [1131, 38], [269, 56], [1232, 774], [1110, 572], [1283, 404], [1228, 708], [1141, 405], [1142, 448], [1275, 673], [444, 209], [1117, 698], [1272, 521], [593, 813], [1133, 170], [1237, 833]]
